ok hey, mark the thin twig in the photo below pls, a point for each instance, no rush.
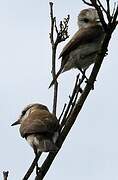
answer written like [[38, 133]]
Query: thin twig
[[61, 35], [115, 17], [76, 96], [100, 13], [108, 8], [30, 170], [55, 97], [5, 175], [70, 101], [52, 23], [56, 26], [54, 47], [87, 3], [102, 7], [114, 8], [62, 112], [45, 166]]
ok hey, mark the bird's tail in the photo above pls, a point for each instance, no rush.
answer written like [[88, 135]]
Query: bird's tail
[[55, 78], [46, 145]]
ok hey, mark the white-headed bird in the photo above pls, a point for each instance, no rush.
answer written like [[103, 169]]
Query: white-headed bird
[[80, 52]]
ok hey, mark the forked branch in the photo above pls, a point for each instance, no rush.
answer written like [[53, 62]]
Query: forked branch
[[61, 35]]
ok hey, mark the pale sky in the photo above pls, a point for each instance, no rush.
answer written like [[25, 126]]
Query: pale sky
[[90, 151]]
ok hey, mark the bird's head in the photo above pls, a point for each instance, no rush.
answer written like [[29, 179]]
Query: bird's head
[[27, 110], [88, 17]]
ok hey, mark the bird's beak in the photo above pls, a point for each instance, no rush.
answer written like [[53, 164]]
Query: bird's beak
[[16, 123]]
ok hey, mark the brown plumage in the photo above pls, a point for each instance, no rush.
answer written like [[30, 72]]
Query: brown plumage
[[39, 127], [81, 50]]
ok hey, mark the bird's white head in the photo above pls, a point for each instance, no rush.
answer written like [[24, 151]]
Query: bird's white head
[[88, 17]]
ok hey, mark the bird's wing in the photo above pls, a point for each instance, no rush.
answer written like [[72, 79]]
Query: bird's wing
[[82, 37], [40, 123]]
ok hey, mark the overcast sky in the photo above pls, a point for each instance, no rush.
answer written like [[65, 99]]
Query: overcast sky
[[91, 150]]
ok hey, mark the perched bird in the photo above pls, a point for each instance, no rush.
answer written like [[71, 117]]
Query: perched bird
[[81, 50], [39, 127]]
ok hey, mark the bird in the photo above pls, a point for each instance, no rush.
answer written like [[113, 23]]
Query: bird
[[80, 52], [39, 127]]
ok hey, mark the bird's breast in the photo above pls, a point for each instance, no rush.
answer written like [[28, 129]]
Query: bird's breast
[[32, 140], [83, 56]]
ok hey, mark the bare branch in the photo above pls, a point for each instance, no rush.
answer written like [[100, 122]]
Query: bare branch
[[108, 7], [76, 96], [56, 26], [55, 98], [45, 166], [87, 3], [107, 12], [70, 102], [115, 17], [100, 13], [62, 35], [52, 23], [54, 46], [102, 7], [31, 169], [62, 112], [5, 175], [114, 9]]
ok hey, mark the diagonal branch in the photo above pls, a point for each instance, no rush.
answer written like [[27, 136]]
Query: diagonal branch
[[87, 3], [63, 110], [31, 168], [76, 96], [114, 8], [70, 102], [73, 99], [115, 22]]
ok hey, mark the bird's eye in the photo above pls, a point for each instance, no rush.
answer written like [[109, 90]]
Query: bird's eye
[[86, 20], [23, 113]]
